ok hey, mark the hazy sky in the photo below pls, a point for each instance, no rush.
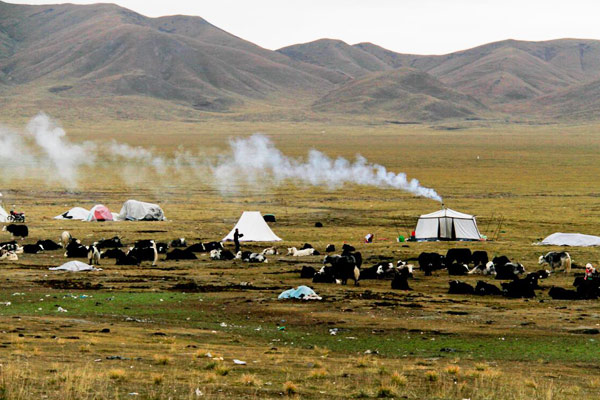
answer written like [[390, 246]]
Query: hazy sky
[[408, 26]]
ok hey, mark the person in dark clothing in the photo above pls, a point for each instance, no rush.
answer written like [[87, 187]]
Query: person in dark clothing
[[236, 239]]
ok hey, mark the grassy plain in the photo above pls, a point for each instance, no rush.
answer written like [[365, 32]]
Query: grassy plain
[[147, 332]]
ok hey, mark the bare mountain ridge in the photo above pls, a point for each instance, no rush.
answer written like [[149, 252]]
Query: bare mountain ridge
[[79, 52], [105, 49], [403, 93]]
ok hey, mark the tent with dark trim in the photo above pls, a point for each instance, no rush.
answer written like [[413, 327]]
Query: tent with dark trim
[[447, 224]]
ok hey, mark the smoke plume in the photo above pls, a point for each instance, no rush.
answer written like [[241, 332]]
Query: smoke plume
[[257, 160], [43, 150]]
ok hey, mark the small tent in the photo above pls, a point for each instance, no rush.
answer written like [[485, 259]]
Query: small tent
[[134, 210], [571, 239], [75, 213], [254, 228], [447, 224], [99, 213]]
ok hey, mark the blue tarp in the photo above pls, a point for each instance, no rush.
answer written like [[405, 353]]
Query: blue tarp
[[298, 293]]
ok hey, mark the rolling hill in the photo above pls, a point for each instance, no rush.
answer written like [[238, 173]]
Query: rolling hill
[[113, 61], [405, 94]]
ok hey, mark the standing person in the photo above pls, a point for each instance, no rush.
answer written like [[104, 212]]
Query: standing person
[[236, 239]]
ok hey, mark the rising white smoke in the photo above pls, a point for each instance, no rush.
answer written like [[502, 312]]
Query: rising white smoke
[[256, 160], [43, 150]]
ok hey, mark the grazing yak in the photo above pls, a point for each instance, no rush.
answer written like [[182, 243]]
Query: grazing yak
[[509, 271], [558, 293], [519, 288], [324, 275], [144, 250], [458, 269], [221, 255], [48, 245], [487, 269], [270, 251], [126, 259], [346, 248], [330, 248], [9, 246], [162, 247], [345, 266], [76, 250], [65, 239], [248, 256], [460, 256], [307, 272], [178, 254], [178, 243], [486, 289], [500, 260], [32, 248], [109, 243], [587, 289], [8, 255], [429, 262], [93, 255], [458, 287], [294, 252], [400, 280], [112, 253], [479, 258], [376, 271], [557, 259], [15, 230]]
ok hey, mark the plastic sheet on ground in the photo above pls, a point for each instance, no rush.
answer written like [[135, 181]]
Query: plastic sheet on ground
[[301, 292], [75, 266]]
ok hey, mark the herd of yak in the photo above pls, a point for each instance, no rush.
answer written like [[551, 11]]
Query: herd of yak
[[337, 268]]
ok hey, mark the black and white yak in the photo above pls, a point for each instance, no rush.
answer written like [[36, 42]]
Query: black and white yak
[[557, 259], [345, 266]]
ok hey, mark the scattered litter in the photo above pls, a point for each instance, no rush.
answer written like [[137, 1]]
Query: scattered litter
[[281, 328], [223, 324], [60, 309], [18, 294], [371, 352], [97, 360], [301, 292], [239, 362], [208, 355], [333, 331], [198, 392], [6, 303], [133, 394], [350, 338], [117, 358]]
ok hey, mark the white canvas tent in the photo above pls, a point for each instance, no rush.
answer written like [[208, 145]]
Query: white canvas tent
[[75, 213], [447, 224], [134, 210], [571, 239], [254, 228]]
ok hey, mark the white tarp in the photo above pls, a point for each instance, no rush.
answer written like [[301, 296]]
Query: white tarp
[[254, 228], [571, 239], [447, 224], [75, 213], [75, 266], [3, 215], [134, 210]]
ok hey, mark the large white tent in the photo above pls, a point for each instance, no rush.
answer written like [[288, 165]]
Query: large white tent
[[571, 239], [254, 228], [75, 213], [447, 224], [134, 210]]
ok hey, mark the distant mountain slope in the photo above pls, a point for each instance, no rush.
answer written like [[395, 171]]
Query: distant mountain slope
[[405, 93], [337, 56], [104, 49], [506, 71]]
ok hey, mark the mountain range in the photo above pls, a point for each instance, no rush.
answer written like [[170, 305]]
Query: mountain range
[[105, 56]]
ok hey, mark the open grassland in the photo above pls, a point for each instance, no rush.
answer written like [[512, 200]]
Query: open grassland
[[144, 332]]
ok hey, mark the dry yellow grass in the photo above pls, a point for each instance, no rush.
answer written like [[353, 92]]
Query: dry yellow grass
[[516, 177]]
